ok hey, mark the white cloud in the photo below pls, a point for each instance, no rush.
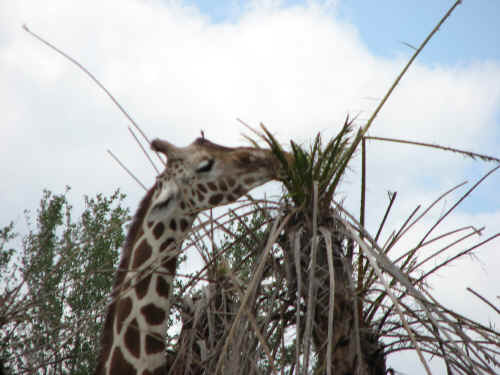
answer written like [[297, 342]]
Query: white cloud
[[297, 69]]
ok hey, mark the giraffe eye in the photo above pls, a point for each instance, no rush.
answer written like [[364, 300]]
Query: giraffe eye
[[205, 166]]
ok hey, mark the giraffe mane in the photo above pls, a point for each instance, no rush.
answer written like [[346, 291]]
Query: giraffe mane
[[133, 232]]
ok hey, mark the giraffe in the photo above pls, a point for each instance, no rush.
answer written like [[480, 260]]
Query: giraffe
[[197, 177]]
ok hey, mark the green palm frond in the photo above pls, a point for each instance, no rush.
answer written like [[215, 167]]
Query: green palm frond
[[325, 164]]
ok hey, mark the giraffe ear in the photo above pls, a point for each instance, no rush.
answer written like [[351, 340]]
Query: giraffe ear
[[165, 203]]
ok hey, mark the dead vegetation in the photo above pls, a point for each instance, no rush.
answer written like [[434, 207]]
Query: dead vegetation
[[297, 285]]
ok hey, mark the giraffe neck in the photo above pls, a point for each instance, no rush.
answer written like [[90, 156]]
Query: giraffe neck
[[133, 340]]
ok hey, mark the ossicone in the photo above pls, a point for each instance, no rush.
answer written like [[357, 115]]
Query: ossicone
[[164, 147]]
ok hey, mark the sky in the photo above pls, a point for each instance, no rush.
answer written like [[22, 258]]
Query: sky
[[299, 67]]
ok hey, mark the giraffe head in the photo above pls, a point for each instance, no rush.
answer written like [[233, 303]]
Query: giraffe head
[[197, 177], [205, 175]]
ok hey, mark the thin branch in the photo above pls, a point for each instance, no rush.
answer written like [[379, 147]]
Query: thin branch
[[143, 150], [364, 130], [298, 270], [251, 288], [462, 253], [92, 77], [398, 234], [369, 254], [363, 183], [127, 170], [470, 154], [392, 197], [331, 301], [435, 254], [394, 241], [484, 300], [456, 204], [311, 302]]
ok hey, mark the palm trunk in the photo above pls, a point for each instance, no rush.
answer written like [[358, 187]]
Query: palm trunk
[[355, 347]]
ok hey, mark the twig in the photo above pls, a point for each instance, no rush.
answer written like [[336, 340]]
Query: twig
[[456, 204], [331, 301], [298, 269], [361, 261], [370, 255], [311, 302], [92, 77], [396, 273], [364, 130], [253, 285], [390, 243], [434, 255], [470, 154], [397, 238], [143, 150], [363, 183], [127, 170], [392, 197], [484, 300], [462, 253]]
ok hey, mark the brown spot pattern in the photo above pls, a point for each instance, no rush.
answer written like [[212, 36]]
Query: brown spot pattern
[[184, 224], [166, 244], [202, 188], [222, 185], [249, 180], [183, 205], [106, 338], [173, 225], [212, 186], [158, 230], [135, 230], [153, 314], [216, 199], [141, 289], [244, 158], [231, 181], [154, 344], [140, 233], [201, 197], [132, 339], [162, 287], [239, 191], [142, 253], [170, 264], [126, 285], [124, 307], [119, 365], [122, 269]]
